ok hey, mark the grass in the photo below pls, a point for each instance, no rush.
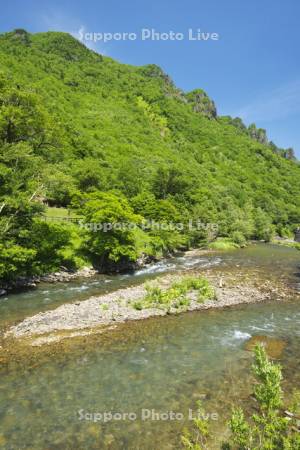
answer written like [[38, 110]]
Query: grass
[[177, 295], [56, 213], [223, 244], [72, 255]]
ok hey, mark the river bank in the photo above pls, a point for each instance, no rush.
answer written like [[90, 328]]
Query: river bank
[[162, 363], [64, 275], [98, 312]]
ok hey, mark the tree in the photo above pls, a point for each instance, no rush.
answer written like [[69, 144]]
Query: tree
[[23, 119], [263, 226], [89, 175], [111, 221], [47, 240], [169, 181], [15, 260]]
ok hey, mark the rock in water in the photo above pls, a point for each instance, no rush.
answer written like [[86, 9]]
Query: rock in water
[[274, 347]]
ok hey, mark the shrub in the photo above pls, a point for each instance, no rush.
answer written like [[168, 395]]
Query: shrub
[[269, 428], [223, 244], [15, 261], [238, 238], [176, 296]]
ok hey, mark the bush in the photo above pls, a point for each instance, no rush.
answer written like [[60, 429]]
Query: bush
[[269, 428], [15, 261], [117, 243], [238, 238], [48, 241], [223, 244], [176, 296]]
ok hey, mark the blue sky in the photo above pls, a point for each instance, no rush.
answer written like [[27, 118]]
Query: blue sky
[[251, 71]]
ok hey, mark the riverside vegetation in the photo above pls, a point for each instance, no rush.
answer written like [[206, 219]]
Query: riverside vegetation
[[112, 143], [177, 295], [271, 426]]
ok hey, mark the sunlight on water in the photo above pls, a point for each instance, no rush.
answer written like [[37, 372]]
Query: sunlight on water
[[164, 364]]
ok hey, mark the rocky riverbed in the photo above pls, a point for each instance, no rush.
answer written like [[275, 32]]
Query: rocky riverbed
[[97, 313], [62, 276]]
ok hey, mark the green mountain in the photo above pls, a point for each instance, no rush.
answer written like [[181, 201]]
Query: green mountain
[[117, 143]]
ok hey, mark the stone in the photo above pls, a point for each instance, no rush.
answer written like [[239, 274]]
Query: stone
[[274, 347]]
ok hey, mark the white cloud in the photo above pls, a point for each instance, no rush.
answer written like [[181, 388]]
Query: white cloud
[[90, 44], [57, 21], [277, 104]]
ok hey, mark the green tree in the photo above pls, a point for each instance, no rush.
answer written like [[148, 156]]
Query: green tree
[[264, 229], [24, 119], [15, 261], [111, 239], [47, 240]]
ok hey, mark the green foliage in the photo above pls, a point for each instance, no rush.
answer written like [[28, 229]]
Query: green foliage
[[15, 260], [47, 240], [71, 254], [111, 238], [269, 428], [155, 118], [238, 238], [73, 122], [224, 244], [177, 295], [265, 230], [199, 441]]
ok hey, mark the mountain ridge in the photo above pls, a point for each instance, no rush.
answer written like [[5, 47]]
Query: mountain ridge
[[87, 127]]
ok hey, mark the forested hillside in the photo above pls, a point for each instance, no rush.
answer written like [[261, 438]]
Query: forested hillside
[[114, 143]]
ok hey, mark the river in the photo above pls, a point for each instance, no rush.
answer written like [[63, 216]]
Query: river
[[148, 370]]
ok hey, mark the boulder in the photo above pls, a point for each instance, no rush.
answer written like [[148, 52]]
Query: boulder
[[274, 347]]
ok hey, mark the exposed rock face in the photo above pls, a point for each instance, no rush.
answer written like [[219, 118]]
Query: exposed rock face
[[21, 35], [297, 235], [258, 134], [201, 103], [168, 86], [274, 347], [154, 71]]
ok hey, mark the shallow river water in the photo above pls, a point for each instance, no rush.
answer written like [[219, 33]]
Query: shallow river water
[[148, 371]]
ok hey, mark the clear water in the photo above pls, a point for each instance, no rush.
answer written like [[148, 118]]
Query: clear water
[[15, 307], [164, 364]]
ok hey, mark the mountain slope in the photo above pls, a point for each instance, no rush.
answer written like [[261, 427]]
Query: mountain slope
[[83, 124]]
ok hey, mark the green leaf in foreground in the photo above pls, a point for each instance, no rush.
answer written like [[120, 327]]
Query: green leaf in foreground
[[271, 427]]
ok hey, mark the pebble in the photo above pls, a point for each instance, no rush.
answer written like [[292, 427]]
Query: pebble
[[70, 318]]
